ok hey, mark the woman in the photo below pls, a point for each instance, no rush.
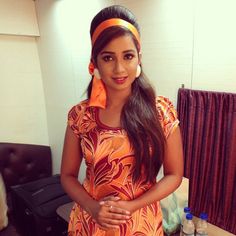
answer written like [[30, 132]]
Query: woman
[[125, 133]]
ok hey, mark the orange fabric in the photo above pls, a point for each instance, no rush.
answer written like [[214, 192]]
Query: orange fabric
[[110, 158], [98, 94], [114, 22]]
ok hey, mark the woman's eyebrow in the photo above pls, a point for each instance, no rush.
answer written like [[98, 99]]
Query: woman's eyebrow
[[110, 52], [107, 52], [130, 50]]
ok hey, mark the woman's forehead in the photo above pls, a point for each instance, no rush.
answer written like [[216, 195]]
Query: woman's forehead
[[120, 44]]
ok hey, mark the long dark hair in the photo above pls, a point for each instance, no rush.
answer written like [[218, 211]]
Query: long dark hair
[[139, 117]]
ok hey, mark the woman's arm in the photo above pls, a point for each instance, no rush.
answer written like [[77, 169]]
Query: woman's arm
[[173, 172], [70, 165], [71, 161]]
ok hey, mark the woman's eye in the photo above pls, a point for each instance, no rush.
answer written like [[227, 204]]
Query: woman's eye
[[107, 58], [129, 56]]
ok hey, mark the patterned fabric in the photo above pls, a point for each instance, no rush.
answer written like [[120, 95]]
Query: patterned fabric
[[109, 159]]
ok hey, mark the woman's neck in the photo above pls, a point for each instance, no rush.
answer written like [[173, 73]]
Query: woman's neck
[[117, 98]]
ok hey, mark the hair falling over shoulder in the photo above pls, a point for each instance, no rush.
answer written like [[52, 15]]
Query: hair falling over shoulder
[[140, 120]]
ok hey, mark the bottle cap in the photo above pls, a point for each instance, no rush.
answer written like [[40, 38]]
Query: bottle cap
[[187, 210], [189, 216], [203, 216]]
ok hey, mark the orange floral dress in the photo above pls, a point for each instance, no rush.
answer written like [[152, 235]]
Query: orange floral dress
[[109, 159]]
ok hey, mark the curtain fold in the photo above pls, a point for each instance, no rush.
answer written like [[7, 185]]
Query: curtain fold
[[208, 126]]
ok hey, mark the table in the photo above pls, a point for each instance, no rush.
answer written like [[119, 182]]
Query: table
[[64, 211]]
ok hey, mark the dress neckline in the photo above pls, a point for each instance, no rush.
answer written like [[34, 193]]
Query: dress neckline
[[101, 124]]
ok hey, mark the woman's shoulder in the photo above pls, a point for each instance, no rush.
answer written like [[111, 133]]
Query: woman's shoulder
[[167, 114], [78, 115], [82, 105], [79, 108], [163, 103]]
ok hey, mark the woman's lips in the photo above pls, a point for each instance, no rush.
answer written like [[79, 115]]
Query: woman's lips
[[120, 80]]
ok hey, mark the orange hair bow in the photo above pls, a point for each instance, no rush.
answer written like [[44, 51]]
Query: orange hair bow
[[98, 94]]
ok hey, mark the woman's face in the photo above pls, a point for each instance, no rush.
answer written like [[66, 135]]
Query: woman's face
[[117, 63]]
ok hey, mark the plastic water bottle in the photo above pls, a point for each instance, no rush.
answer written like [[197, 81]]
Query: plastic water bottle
[[188, 226], [201, 228], [186, 211]]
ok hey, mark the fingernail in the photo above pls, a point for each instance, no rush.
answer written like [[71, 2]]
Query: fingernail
[[102, 203]]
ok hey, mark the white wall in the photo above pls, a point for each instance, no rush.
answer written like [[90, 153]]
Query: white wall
[[23, 114], [18, 18], [214, 61], [64, 51], [190, 42]]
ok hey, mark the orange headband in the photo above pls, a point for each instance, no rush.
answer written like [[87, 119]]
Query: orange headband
[[115, 22]]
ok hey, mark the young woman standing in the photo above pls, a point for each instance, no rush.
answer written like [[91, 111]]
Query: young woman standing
[[125, 133]]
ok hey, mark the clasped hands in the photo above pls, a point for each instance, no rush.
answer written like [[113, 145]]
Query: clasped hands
[[112, 212]]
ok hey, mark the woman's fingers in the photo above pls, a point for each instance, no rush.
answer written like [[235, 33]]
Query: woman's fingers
[[115, 209], [111, 215], [118, 211], [111, 211], [117, 216], [111, 198], [108, 198]]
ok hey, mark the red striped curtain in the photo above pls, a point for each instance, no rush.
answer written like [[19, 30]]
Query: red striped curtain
[[208, 125]]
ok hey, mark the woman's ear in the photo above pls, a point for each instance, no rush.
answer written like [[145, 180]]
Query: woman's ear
[[96, 73], [139, 58], [138, 71]]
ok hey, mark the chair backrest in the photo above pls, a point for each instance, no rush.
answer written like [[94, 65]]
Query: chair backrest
[[22, 163]]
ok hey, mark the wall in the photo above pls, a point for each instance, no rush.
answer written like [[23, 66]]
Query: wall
[[190, 42], [18, 18], [23, 114], [214, 54]]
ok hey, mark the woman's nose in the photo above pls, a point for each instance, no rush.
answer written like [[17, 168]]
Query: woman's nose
[[119, 67]]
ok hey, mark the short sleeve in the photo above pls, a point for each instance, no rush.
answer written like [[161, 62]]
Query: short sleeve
[[167, 115], [75, 117]]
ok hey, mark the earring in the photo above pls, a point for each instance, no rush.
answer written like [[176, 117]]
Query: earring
[[96, 73], [138, 72]]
